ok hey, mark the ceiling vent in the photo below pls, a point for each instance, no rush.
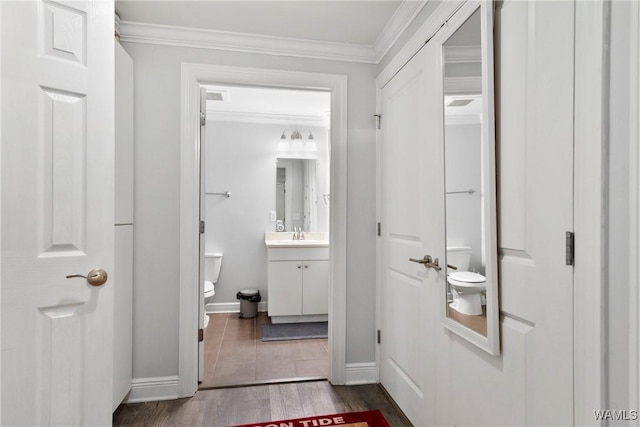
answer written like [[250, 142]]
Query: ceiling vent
[[216, 96], [459, 102]]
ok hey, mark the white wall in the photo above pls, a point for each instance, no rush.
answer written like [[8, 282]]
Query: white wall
[[157, 195], [241, 158]]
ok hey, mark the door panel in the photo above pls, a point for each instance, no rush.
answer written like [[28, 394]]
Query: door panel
[[57, 211], [315, 287], [535, 76], [285, 288], [412, 193]]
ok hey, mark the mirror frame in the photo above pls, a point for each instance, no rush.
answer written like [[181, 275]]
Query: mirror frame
[[490, 343]]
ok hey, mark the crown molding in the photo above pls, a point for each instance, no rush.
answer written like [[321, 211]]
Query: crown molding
[[397, 25], [165, 35], [266, 118], [462, 54], [136, 32], [463, 85]]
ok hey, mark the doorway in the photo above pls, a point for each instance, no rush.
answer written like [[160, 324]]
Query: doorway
[[258, 140], [193, 76]]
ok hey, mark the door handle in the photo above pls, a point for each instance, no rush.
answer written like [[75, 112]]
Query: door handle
[[95, 277], [428, 262]]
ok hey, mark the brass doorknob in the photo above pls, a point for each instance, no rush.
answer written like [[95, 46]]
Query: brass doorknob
[[96, 277]]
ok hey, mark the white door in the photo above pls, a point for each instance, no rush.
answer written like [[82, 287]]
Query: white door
[[57, 175], [412, 189], [531, 382]]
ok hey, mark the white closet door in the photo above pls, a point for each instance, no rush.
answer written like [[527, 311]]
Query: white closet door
[[412, 197], [436, 377], [57, 211]]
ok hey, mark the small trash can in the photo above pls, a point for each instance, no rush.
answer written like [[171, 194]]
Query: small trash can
[[249, 299]]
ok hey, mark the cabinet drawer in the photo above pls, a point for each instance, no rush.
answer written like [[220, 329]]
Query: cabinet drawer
[[287, 254]]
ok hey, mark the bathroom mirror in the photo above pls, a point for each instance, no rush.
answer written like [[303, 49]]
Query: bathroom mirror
[[471, 292], [300, 195]]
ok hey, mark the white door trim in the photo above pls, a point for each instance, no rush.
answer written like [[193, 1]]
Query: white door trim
[[591, 104], [192, 76], [634, 213]]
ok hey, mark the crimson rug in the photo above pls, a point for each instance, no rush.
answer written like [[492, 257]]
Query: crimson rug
[[348, 419]]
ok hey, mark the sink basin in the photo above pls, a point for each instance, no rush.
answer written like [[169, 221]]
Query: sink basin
[[309, 243], [285, 240]]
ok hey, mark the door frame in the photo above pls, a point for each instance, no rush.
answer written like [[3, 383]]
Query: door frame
[[192, 75], [589, 192]]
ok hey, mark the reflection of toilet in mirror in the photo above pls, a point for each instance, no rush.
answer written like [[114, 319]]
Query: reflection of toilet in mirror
[[466, 286], [212, 264]]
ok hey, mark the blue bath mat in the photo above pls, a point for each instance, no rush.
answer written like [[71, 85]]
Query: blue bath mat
[[294, 331]]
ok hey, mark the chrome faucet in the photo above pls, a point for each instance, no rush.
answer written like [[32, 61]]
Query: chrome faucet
[[298, 234]]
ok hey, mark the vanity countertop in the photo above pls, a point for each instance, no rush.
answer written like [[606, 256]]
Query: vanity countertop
[[285, 240]]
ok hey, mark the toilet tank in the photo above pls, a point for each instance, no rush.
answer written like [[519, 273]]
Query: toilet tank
[[459, 256], [212, 263]]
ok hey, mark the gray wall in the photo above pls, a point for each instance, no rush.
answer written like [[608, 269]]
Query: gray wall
[[241, 158], [157, 198]]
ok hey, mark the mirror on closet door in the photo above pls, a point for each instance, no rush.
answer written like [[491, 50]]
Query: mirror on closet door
[[471, 298]]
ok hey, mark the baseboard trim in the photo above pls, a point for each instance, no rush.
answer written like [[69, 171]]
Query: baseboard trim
[[230, 307], [153, 389], [361, 373]]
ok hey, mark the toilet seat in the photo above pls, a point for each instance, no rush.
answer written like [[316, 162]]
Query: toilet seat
[[467, 279], [209, 289]]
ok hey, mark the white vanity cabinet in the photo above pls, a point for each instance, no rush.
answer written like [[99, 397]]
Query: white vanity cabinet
[[298, 284]]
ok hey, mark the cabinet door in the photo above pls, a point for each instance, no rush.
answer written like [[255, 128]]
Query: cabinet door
[[285, 288], [315, 295]]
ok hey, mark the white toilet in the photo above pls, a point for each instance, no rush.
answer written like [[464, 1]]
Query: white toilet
[[466, 286], [212, 264]]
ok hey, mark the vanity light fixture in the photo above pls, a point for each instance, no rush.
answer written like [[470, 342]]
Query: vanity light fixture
[[295, 141], [296, 134]]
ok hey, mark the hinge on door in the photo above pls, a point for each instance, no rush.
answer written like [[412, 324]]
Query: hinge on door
[[200, 335], [201, 227], [378, 336], [203, 119], [570, 248], [378, 120], [379, 229]]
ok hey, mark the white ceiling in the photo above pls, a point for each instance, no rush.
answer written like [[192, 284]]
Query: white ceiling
[[284, 104], [353, 22]]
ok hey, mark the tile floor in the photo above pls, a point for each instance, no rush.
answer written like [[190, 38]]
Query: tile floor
[[235, 355]]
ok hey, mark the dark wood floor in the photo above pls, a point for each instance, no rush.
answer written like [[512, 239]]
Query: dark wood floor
[[235, 354], [243, 405]]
